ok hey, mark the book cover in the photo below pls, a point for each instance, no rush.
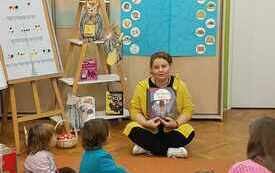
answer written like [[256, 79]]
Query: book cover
[[114, 103], [80, 109], [86, 108], [161, 102], [89, 69]]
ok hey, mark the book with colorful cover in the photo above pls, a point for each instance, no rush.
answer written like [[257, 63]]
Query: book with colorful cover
[[161, 102], [89, 69], [114, 103]]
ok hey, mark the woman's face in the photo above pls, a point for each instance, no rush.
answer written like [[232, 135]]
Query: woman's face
[[160, 69]]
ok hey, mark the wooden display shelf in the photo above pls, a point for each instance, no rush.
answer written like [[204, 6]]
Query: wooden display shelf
[[79, 42], [101, 114], [102, 78]]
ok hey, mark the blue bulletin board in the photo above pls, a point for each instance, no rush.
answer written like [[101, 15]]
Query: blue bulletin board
[[182, 28]]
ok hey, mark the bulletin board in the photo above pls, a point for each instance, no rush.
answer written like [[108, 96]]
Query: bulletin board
[[202, 74], [181, 28], [28, 41]]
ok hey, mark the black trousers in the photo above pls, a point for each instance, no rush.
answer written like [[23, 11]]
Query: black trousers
[[159, 143]]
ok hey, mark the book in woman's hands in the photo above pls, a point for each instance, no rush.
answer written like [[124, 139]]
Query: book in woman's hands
[[161, 102]]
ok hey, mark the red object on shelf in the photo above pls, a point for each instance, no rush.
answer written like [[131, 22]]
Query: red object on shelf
[[9, 162]]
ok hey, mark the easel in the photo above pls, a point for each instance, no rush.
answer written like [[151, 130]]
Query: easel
[[53, 77], [39, 114]]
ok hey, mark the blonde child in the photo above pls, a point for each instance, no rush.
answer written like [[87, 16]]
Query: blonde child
[[41, 138], [260, 148], [95, 159]]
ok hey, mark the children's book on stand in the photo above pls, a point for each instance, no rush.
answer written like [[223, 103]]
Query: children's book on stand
[[114, 103], [161, 102], [80, 109], [89, 69]]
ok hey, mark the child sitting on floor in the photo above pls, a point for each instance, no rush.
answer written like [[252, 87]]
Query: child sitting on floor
[[41, 138], [95, 159], [260, 148]]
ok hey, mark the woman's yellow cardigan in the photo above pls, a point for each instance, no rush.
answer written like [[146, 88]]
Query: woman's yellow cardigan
[[183, 99]]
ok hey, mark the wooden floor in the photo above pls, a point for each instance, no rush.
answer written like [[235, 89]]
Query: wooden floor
[[217, 145]]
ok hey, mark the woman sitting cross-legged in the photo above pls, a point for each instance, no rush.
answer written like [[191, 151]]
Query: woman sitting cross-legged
[[160, 109]]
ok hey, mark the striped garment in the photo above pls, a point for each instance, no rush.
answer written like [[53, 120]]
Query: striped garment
[[40, 162], [248, 166]]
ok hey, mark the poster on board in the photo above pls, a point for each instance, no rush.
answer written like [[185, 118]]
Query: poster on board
[[181, 28]]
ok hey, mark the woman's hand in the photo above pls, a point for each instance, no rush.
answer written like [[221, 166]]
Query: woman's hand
[[153, 123], [169, 122]]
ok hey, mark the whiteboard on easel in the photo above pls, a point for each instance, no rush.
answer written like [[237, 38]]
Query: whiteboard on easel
[[3, 82], [28, 40]]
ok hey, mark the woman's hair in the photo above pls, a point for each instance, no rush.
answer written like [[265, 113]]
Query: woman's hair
[[261, 142], [161, 55], [94, 134], [39, 137]]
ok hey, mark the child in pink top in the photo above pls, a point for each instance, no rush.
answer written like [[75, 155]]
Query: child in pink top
[[248, 166], [260, 148], [41, 138]]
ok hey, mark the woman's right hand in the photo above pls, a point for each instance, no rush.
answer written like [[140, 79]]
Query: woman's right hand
[[153, 123]]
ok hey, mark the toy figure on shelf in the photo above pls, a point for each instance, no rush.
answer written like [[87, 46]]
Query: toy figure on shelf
[[113, 45], [91, 22]]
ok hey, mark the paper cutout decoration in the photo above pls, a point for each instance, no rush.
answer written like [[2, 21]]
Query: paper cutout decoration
[[200, 49], [126, 6], [210, 40], [200, 32], [126, 40], [136, 1], [134, 49], [201, 1], [127, 23], [135, 32], [210, 23], [135, 15], [211, 6], [200, 14]]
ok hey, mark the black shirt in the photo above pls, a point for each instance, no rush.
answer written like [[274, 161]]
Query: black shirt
[[152, 85]]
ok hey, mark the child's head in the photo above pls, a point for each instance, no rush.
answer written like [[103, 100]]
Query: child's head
[[40, 137], [204, 171], [261, 142], [94, 134]]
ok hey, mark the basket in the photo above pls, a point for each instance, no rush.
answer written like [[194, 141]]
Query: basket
[[66, 140]]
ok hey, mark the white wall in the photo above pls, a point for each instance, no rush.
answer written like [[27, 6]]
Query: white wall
[[252, 55]]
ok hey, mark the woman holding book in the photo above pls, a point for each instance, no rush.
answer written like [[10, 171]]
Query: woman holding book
[[161, 131]]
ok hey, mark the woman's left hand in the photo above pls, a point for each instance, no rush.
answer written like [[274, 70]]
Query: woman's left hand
[[169, 122]]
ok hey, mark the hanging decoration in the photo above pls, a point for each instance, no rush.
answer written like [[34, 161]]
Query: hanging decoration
[[91, 22], [113, 45]]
